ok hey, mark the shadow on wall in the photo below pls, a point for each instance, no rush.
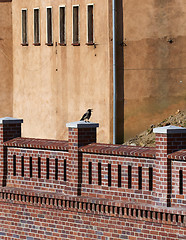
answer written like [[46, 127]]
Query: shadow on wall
[[119, 73]]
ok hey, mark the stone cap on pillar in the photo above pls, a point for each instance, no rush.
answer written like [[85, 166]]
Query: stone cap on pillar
[[82, 124], [10, 120], [169, 130]]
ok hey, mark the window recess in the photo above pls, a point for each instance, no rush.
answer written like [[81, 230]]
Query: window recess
[[49, 27], [90, 24], [75, 40], [62, 23], [24, 28], [36, 27]]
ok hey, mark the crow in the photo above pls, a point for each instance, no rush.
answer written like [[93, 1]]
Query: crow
[[87, 115]]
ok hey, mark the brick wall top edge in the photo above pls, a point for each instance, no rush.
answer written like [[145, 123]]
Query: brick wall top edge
[[179, 155], [37, 143], [122, 150]]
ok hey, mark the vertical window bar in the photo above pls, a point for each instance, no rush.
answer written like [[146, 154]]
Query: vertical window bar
[[109, 174], [99, 173], [119, 175], [14, 165], [49, 25], [90, 172], [65, 170], [47, 168], [39, 167], [62, 24], [30, 167], [181, 182], [36, 26], [75, 24], [129, 176], [22, 166], [90, 24], [56, 169], [150, 178], [24, 26], [139, 178]]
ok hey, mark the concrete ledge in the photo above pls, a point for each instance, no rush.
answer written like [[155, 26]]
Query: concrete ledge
[[10, 120], [169, 129], [82, 124]]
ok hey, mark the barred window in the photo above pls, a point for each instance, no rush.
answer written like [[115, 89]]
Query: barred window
[[49, 26], [24, 27], [36, 26], [76, 25], [62, 18], [90, 24]]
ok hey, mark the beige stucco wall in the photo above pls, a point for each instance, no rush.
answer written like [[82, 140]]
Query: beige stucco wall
[[6, 65], [55, 85], [155, 70]]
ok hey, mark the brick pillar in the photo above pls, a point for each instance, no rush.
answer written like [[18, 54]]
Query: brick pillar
[[168, 140], [9, 128], [80, 134]]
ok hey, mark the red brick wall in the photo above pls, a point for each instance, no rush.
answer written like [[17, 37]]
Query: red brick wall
[[31, 221], [114, 192], [177, 198], [7, 132], [33, 207], [34, 182]]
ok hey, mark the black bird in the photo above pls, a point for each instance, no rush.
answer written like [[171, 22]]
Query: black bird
[[87, 115]]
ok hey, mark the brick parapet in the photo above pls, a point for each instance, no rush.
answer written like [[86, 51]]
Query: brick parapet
[[69, 183]]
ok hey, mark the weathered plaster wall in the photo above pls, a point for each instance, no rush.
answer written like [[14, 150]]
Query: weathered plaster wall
[[58, 84], [55, 85], [154, 69], [6, 66]]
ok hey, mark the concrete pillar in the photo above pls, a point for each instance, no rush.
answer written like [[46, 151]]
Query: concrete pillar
[[79, 134], [168, 140], [9, 128]]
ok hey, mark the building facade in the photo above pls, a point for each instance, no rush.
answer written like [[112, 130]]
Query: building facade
[[62, 60]]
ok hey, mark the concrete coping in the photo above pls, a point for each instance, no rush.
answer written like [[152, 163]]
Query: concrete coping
[[169, 129], [82, 124], [10, 120]]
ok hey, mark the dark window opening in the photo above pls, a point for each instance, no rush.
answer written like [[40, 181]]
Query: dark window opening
[[49, 26], [181, 182], [129, 176], [36, 26], [99, 173], [119, 175], [139, 178], [150, 179], [109, 174], [90, 172], [56, 169], [30, 167], [24, 27], [14, 165], [65, 170], [22, 166], [39, 167], [75, 24], [62, 25], [90, 24], [47, 168]]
